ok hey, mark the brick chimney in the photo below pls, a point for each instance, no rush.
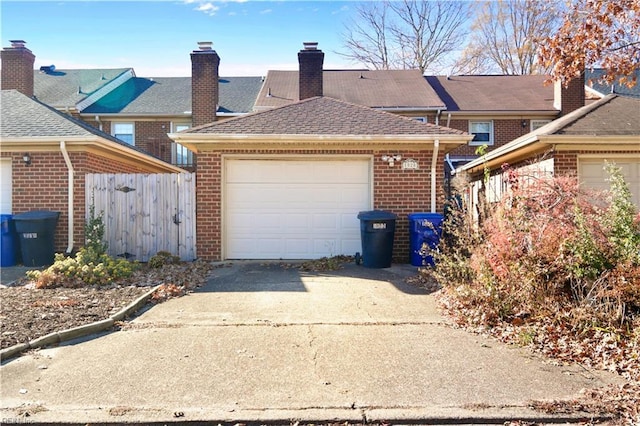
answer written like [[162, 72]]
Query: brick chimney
[[310, 60], [204, 84], [570, 98], [17, 67]]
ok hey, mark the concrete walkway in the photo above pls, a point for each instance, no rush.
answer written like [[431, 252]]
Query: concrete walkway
[[263, 343]]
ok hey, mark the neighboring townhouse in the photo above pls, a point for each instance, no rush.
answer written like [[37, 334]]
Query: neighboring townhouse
[[576, 144], [288, 182], [140, 111], [402, 92], [45, 155]]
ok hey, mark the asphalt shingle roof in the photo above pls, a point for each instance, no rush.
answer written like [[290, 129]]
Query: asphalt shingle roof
[[172, 96], [65, 88], [591, 77], [619, 116], [372, 88], [494, 92], [323, 116], [23, 117]]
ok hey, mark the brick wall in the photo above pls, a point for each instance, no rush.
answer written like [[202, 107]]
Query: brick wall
[[310, 78], [43, 185], [504, 131], [204, 86], [17, 70], [151, 136], [399, 191]]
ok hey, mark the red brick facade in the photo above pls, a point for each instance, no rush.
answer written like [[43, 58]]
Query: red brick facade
[[504, 131], [17, 69], [310, 61], [396, 190], [43, 185], [204, 86]]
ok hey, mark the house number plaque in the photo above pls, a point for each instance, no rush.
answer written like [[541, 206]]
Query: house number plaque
[[410, 164]]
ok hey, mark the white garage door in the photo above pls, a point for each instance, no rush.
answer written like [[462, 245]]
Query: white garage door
[[593, 174], [5, 186], [294, 209]]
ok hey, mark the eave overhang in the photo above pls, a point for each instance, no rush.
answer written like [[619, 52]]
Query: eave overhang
[[90, 144], [528, 147], [199, 142]]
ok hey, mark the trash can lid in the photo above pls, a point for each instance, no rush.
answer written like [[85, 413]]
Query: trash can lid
[[422, 216], [36, 215], [377, 215]]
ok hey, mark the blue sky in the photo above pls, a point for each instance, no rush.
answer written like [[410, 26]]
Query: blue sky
[[155, 37]]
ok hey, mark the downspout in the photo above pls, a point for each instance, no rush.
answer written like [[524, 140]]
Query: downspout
[[438, 116], [99, 122], [434, 163], [67, 160]]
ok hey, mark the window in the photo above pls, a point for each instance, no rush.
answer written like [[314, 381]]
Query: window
[[124, 132], [482, 132], [180, 154], [536, 124]]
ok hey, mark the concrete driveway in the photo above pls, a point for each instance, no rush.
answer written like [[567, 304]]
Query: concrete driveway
[[267, 343]]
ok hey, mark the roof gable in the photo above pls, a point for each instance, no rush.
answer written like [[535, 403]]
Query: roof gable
[[371, 88], [67, 88], [323, 116]]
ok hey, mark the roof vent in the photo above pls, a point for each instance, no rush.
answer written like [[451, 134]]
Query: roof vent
[[17, 44], [47, 69], [310, 45], [205, 45]]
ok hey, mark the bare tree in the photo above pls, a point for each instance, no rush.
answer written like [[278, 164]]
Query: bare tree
[[505, 36], [407, 34]]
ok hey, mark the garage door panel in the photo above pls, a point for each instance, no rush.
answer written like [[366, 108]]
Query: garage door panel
[[294, 209], [594, 175], [6, 189]]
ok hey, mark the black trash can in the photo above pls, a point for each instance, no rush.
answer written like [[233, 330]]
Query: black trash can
[[36, 230], [377, 229], [425, 230], [8, 241]]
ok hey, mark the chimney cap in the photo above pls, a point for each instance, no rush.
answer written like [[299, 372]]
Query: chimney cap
[[17, 44], [205, 45], [310, 45]]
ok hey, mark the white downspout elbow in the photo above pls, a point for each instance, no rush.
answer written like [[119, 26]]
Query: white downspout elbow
[[67, 160], [434, 164]]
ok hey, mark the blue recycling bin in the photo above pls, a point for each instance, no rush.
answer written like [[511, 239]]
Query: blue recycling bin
[[425, 230], [36, 231], [7, 241], [377, 229]]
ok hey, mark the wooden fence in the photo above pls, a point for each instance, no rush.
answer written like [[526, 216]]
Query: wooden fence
[[145, 214]]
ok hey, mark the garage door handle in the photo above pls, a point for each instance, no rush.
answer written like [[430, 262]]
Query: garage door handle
[[176, 220]]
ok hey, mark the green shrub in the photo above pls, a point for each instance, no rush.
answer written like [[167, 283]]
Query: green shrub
[[162, 258], [90, 266], [84, 269]]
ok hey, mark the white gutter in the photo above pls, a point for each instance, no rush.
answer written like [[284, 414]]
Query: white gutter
[[65, 154], [434, 163]]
